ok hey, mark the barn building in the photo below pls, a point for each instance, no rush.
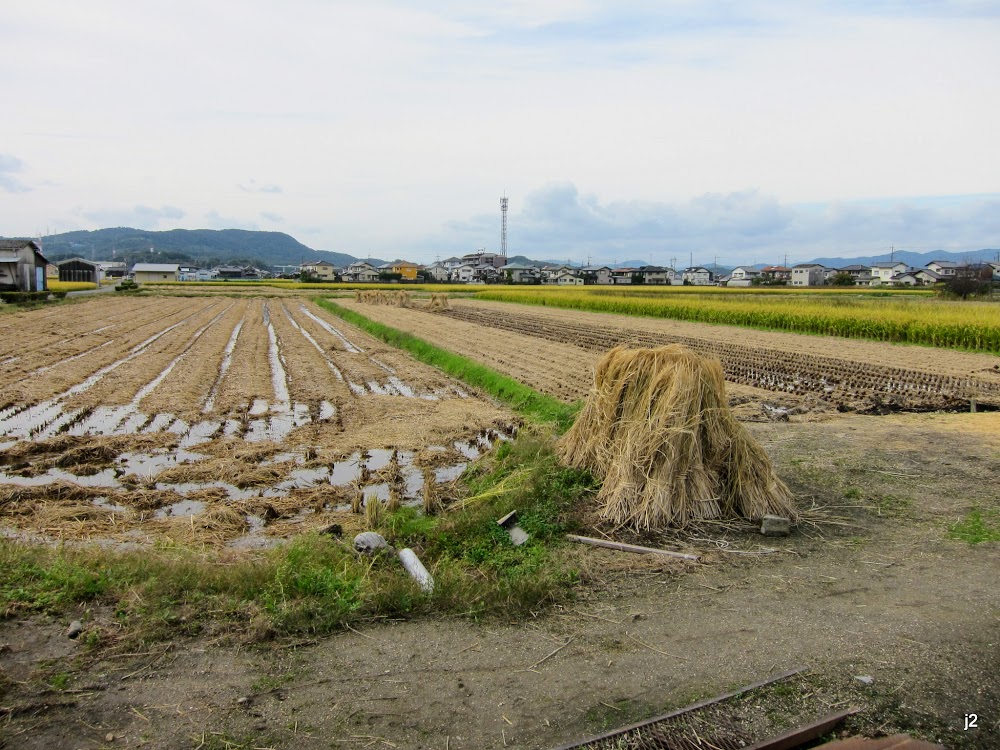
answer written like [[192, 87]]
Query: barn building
[[79, 269], [22, 266]]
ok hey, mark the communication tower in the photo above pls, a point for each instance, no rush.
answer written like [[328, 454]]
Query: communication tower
[[503, 226]]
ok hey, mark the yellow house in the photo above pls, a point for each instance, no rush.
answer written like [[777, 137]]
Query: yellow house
[[407, 270]]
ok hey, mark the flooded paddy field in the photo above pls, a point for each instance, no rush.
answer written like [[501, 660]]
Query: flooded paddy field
[[215, 420]]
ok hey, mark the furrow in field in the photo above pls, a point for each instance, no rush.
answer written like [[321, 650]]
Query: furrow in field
[[60, 376], [249, 378], [188, 384], [313, 375], [561, 370], [43, 345]]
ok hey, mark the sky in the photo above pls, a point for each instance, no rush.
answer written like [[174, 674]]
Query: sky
[[740, 132]]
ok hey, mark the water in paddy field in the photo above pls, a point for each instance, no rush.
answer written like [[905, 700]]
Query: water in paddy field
[[132, 467]]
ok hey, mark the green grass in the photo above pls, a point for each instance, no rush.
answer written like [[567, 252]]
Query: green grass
[[528, 402], [315, 584], [977, 527]]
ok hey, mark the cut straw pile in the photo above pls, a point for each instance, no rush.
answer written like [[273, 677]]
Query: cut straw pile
[[380, 297], [439, 301], [658, 432]]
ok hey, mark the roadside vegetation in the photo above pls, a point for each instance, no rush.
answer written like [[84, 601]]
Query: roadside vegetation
[[317, 583], [905, 318]]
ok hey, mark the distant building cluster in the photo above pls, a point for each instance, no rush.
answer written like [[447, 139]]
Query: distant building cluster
[[24, 268]]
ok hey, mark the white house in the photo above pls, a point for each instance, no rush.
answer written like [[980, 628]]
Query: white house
[[321, 269], [518, 273], [568, 279], [942, 267], [743, 276], [439, 271], [463, 273], [808, 274], [883, 272], [698, 276]]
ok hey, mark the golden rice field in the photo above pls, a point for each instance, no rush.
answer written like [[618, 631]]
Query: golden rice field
[[55, 285], [911, 319]]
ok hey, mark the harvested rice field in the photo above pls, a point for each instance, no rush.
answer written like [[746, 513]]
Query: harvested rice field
[[186, 433], [220, 421], [767, 372]]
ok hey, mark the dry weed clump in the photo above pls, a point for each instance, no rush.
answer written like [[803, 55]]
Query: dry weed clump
[[439, 301], [657, 430]]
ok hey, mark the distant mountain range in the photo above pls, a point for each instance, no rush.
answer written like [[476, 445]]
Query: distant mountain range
[[211, 247], [917, 260]]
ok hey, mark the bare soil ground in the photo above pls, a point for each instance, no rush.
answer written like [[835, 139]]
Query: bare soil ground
[[875, 588]]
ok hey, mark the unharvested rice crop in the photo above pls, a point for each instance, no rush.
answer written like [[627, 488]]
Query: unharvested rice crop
[[657, 431], [909, 319]]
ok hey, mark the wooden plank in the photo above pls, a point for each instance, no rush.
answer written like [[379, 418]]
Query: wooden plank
[[622, 547]]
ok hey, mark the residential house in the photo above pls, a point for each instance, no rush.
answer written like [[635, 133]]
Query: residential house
[[926, 277], [321, 269], [883, 272], [567, 278], [406, 270], [463, 273], [944, 268], [362, 271], [22, 266], [698, 276], [146, 272], [481, 257], [776, 273], [438, 271], [79, 269], [596, 274], [622, 275], [518, 273], [808, 274], [657, 275], [743, 276], [995, 268], [451, 263]]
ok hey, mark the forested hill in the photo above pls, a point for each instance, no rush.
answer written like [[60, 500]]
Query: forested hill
[[205, 247]]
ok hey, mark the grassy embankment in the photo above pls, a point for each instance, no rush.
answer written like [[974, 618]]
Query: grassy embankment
[[316, 583], [914, 319]]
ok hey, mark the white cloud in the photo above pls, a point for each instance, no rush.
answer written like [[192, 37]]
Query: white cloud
[[370, 124]]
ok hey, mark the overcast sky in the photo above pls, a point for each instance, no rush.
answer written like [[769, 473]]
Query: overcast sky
[[619, 130]]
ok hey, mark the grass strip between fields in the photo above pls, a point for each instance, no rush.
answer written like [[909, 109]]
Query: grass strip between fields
[[526, 401]]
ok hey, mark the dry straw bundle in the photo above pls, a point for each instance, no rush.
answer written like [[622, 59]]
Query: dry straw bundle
[[439, 301], [657, 430]]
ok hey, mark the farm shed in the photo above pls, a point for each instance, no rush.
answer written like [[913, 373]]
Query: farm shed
[[22, 266], [143, 272], [79, 269]]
